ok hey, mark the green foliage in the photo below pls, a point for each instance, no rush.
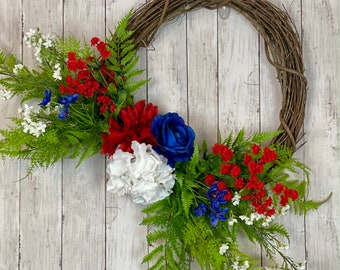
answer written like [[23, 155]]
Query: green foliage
[[79, 135], [123, 61], [175, 228]]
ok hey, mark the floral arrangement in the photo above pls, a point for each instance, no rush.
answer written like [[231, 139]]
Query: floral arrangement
[[80, 101]]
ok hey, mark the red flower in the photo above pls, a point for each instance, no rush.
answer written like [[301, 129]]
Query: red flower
[[95, 41], [106, 104], [217, 148], [255, 149], [270, 212], [268, 155], [101, 47], [209, 179], [223, 151], [283, 200], [235, 171], [136, 126], [226, 154], [278, 188], [247, 158], [221, 185], [226, 168], [239, 183], [255, 168], [228, 196]]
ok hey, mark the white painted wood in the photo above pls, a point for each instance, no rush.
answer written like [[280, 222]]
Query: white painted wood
[[9, 169], [270, 96], [84, 188], [202, 73], [40, 193], [320, 21], [84, 214], [238, 75], [167, 58]]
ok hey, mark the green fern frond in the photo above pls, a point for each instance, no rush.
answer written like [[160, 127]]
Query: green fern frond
[[301, 206], [260, 137], [239, 138], [154, 253], [187, 199]]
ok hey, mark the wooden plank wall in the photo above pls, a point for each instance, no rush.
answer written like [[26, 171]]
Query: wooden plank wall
[[214, 73]]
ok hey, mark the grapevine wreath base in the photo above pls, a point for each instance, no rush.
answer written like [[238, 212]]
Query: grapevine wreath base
[[198, 198], [282, 48]]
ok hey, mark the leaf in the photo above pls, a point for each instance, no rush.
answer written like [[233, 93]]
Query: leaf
[[153, 254], [302, 207], [265, 136], [187, 199]]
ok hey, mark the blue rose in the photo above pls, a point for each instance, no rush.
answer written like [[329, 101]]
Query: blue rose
[[175, 139]]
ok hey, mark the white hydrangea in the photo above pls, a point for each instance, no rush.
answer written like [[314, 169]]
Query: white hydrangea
[[144, 174], [35, 128]]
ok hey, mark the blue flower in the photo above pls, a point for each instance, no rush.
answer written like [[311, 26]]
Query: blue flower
[[63, 113], [200, 210], [215, 194], [175, 139], [68, 99], [47, 98], [215, 216]]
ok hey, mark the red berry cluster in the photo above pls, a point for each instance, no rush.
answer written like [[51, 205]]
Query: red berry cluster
[[247, 177], [101, 47], [285, 193], [82, 81]]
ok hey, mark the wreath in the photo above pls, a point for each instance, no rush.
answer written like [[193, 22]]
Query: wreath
[[198, 198]]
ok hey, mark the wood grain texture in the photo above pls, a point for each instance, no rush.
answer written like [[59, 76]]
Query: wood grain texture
[[40, 193], [202, 74], [9, 169], [320, 22], [271, 97], [212, 72]]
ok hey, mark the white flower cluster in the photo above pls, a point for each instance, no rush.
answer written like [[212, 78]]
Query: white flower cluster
[[16, 68], [33, 39], [236, 199], [256, 216], [223, 249], [5, 94], [35, 128], [237, 266], [57, 72], [144, 174]]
